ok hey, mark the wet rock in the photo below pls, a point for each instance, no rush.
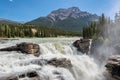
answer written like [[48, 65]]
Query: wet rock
[[61, 62], [32, 74], [12, 48], [113, 66], [108, 76], [29, 48], [29, 74], [22, 76], [56, 72], [25, 47], [82, 45]]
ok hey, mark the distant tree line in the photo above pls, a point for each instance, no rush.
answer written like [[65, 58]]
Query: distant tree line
[[97, 28], [22, 30]]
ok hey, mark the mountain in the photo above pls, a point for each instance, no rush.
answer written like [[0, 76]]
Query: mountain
[[72, 19], [7, 21]]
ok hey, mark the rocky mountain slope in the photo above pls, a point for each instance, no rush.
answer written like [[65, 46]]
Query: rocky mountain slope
[[72, 19]]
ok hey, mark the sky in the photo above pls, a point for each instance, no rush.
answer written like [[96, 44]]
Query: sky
[[26, 10]]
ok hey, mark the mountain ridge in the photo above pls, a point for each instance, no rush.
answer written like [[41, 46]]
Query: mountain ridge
[[8, 21], [72, 19], [73, 12]]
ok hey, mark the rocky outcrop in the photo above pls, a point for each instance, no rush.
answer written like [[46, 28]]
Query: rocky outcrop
[[113, 67], [29, 48], [25, 47], [108, 76], [61, 62], [82, 45], [62, 14]]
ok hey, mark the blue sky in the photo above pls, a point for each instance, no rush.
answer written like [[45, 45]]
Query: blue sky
[[26, 10]]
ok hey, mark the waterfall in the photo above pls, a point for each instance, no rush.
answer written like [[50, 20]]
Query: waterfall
[[83, 66]]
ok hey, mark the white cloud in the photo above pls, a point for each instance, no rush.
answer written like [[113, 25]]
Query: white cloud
[[11, 0]]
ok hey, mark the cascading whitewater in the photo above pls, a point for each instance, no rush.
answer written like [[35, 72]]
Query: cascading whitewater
[[83, 67]]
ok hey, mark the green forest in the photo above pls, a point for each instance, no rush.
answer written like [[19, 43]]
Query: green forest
[[97, 29], [22, 30]]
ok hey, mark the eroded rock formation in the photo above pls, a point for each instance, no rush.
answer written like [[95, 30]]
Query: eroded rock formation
[[113, 67], [25, 47], [82, 45]]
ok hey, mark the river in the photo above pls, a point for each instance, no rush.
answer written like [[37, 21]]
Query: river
[[83, 67]]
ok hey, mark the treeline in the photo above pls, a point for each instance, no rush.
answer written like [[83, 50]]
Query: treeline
[[97, 28], [21, 30]]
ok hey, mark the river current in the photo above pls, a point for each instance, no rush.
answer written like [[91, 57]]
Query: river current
[[84, 67]]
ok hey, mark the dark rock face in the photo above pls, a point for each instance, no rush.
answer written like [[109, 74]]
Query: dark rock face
[[12, 48], [32, 74], [113, 66], [108, 76], [28, 48], [82, 45]]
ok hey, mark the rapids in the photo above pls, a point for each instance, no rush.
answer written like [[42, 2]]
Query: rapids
[[83, 66]]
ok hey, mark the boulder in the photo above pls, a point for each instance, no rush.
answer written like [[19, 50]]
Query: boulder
[[32, 74], [29, 48], [61, 62], [113, 66], [25, 47], [82, 45], [11, 48]]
